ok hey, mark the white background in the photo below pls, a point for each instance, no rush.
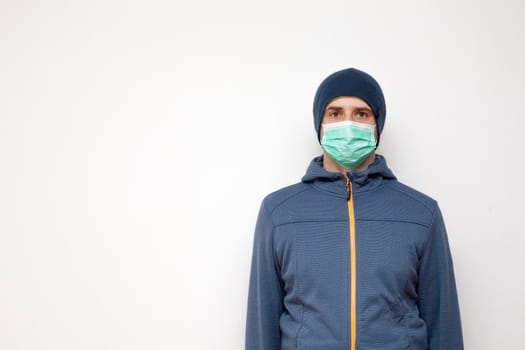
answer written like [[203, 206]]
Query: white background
[[137, 139]]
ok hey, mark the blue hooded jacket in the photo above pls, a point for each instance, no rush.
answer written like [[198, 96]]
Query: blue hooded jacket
[[351, 261]]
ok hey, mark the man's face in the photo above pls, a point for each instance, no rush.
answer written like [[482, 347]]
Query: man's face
[[348, 108]]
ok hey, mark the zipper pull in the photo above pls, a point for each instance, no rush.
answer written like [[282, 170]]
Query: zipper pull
[[348, 187]]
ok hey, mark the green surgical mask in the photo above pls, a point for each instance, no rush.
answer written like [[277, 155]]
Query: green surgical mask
[[348, 143]]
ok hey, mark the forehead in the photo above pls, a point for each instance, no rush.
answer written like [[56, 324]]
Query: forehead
[[347, 102]]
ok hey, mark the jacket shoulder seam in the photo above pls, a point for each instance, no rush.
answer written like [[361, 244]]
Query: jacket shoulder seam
[[429, 207], [282, 201], [429, 233], [275, 258]]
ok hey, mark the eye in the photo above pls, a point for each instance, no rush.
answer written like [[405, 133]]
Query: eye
[[363, 114], [334, 114]]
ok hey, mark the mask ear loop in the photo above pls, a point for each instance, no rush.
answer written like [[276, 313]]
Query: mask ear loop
[[376, 131], [376, 138]]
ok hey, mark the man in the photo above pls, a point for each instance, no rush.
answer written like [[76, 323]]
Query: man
[[350, 258]]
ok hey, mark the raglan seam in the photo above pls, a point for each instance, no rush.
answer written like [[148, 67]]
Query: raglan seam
[[419, 200], [282, 201], [429, 233], [274, 255]]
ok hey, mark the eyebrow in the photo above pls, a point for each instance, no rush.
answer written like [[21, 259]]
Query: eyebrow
[[363, 108]]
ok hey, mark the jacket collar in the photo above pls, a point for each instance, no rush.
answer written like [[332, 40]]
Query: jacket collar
[[335, 183]]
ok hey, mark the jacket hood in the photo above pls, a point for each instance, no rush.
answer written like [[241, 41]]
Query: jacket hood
[[335, 182]]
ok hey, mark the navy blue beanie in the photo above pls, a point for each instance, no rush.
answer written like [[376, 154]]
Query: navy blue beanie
[[350, 82]]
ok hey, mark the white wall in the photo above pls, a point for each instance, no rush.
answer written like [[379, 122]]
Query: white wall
[[137, 140]]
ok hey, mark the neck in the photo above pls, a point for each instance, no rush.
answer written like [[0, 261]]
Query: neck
[[331, 165]]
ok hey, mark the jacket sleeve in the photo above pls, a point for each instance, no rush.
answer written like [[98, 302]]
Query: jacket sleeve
[[437, 296], [265, 296]]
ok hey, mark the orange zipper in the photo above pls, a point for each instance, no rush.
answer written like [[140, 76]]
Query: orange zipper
[[351, 221]]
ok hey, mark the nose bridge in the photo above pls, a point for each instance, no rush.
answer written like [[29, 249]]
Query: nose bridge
[[348, 113]]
